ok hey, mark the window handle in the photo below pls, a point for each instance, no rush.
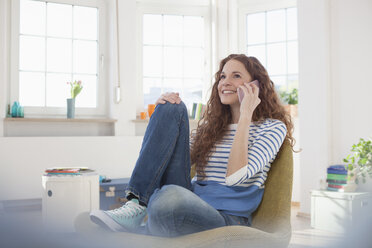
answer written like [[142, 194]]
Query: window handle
[[102, 60]]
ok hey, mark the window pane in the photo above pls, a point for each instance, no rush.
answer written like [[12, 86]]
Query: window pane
[[259, 52], [256, 28], [88, 95], [85, 57], [193, 91], [172, 62], [173, 26], [193, 85], [32, 17], [276, 25], [293, 81], [152, 29], [59, 53], [59, 20], [179, 55], [292, 57], [57, 89], [32, 89], [193, 31], [85, 23], [31, 53], [279, 51], [292, 24], [280, 82], [152, 61], [172, 85], [151, 90], [276, 59], [193, 62]]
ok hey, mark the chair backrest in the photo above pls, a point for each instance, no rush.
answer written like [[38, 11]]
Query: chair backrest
[[274, 212]]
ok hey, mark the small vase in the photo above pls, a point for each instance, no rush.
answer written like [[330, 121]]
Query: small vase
[[20, 111], [350, 186], [15, 109], [71, 108]]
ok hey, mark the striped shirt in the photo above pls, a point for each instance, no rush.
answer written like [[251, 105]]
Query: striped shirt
[[240, 193]]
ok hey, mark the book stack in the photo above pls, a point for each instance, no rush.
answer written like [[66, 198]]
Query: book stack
[[337, 178], [72, 171], [198, 110]]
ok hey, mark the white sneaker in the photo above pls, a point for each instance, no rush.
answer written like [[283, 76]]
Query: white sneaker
[[126, 218]]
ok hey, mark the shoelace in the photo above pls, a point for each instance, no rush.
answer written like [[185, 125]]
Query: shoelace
[[130, 209]]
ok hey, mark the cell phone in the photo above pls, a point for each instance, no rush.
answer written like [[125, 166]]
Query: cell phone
[[241, 92]]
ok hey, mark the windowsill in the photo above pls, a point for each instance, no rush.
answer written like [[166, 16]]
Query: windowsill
[[58, 126], [89, 120], [141, 125], [191, 121]]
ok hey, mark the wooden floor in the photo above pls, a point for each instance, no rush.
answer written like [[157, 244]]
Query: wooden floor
[[303, 235]]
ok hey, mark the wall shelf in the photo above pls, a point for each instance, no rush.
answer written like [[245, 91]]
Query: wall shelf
[[91, 120], [147, 121], [141, 125], [58, 126]]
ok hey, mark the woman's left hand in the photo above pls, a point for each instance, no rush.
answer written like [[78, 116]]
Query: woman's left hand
[[250, 100]]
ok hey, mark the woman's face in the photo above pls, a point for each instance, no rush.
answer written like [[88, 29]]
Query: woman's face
[[232, 76]]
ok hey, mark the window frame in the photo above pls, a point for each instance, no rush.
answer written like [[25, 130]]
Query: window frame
[[250, 7], [161, 8], [102, 75]]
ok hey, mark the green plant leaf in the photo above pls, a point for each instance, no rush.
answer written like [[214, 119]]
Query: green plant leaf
[[362, 161], [361, 157]]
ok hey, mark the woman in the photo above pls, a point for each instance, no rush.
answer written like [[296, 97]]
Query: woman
[[232, 149]]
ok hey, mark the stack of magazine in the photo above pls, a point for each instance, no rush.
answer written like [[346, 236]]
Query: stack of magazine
[[73, 171], [337, 178]]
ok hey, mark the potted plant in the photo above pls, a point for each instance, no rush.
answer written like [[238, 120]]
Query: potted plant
[[76, 87], [359, 162], [290, 97]]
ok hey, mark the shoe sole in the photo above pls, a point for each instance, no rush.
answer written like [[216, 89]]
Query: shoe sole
[[105, 221]]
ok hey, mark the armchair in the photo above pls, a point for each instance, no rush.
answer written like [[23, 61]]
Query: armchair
[[271, 225]]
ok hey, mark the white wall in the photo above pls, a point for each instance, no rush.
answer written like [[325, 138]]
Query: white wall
[[314, 78], [24, 159], [4, 59], [351, 53], [125, 111], [334, 92]]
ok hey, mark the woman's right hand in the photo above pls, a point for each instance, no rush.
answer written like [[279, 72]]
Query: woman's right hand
[[172, 97]]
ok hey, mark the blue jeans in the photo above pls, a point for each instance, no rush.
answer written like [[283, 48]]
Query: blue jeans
[[161, 179]]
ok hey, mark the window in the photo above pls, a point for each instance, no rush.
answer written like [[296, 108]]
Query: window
[[57, 43], [174, 56], [271, 36]]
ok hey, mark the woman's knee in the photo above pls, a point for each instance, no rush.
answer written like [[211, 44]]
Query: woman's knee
[[169, 198], [165, 207], [171, 109]]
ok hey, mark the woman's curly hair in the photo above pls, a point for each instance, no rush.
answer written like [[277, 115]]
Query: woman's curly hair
[[218, 116]]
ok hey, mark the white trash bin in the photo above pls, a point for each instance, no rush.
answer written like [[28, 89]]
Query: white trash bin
[[65, 197]]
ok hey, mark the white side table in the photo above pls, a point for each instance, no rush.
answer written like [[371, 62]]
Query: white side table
[[337, 211], [65, 197]]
